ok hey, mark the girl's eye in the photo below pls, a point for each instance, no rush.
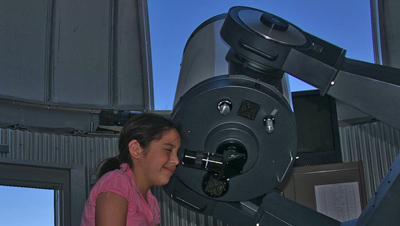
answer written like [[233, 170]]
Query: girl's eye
[[169, 150]]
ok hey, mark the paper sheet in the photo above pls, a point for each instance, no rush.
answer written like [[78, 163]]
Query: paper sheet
[[339, 201]]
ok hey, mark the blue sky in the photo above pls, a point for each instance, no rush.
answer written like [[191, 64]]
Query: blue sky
[[26, 206], [344, 23]]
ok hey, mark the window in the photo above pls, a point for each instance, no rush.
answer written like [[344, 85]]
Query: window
[[26, 206], [24, 181]]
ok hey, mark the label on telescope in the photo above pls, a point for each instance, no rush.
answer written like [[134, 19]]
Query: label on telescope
[[248, 109], [214, 186]]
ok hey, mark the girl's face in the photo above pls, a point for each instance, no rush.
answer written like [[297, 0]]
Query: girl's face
[[160, 159]]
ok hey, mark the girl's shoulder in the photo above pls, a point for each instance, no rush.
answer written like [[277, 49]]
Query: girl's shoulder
[[117, 181]]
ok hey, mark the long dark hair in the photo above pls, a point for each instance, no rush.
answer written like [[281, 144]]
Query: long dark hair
[[143, 127]]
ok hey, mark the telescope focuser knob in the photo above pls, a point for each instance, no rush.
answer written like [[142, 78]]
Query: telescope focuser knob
[[225, 107], [269, 124]]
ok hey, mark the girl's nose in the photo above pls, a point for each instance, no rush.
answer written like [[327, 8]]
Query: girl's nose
[[174, 158]]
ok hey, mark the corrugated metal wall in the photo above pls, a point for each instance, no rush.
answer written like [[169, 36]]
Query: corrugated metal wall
[[53, 149], [376, 144]]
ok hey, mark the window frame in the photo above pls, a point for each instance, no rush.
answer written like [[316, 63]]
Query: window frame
[[66, 180]]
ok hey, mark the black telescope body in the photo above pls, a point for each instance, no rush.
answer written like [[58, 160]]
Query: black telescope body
[[240, 128]]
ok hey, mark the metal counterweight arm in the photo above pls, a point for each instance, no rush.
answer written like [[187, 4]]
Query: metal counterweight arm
[[371, 88]]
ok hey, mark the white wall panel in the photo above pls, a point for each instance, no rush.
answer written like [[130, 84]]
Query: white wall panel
[[386, 31], [92, 54], [23, 43], [81, 48]]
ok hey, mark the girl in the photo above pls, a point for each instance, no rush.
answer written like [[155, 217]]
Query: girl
[[148, 147]]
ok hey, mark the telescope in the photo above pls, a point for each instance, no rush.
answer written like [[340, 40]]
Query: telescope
[[233, 104]]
